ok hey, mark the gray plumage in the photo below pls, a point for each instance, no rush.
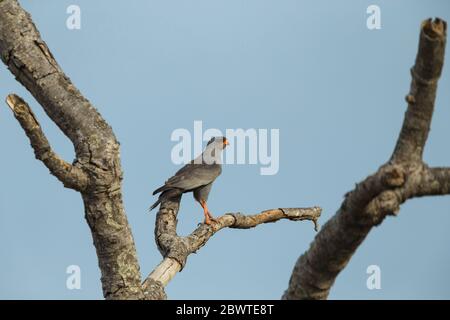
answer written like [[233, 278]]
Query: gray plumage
[[197, 176]]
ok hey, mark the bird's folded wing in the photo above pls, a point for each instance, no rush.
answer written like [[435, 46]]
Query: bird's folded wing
[[193, 176]]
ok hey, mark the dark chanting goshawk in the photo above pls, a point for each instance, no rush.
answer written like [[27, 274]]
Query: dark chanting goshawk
[[197, 176]]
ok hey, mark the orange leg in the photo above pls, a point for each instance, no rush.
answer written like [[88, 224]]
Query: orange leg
[[208, 215]]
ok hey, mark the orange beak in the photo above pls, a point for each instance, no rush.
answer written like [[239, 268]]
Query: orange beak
[[225, 143]]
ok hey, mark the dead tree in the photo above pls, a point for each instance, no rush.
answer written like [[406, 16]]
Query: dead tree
[[96, 171], [404, 176]]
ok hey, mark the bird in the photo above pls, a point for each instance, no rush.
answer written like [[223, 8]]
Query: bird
[[197, 177]]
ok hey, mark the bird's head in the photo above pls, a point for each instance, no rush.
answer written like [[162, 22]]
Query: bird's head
[[218, 142], [213, 150]]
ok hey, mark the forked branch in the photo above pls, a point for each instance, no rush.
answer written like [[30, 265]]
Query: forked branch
[[96, 172], [176, 249], [404, 177], [71, 176]]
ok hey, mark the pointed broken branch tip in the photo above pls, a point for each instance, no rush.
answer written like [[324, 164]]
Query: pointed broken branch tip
[[11, 101]]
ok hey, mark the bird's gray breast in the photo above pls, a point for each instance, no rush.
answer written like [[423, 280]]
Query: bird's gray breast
[[201, 193]]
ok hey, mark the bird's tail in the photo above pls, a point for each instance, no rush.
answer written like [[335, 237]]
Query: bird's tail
[[166, 194], [154, 205], [160, 189]]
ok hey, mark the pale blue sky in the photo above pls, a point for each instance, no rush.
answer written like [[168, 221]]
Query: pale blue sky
[[309, 68]]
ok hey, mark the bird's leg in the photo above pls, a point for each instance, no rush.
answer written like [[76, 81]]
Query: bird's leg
[[211, 217], [205, 212], [208, 215]]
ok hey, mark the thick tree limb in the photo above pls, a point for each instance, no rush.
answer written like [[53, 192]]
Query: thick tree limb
[[440, 182], [176, 249], [96, 171], [425, 74], [381, 194], [30, 60], [96, 148], [71, 176]]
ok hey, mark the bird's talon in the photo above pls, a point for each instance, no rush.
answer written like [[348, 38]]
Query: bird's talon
[[210, 220], [210, 217], [213, 220]]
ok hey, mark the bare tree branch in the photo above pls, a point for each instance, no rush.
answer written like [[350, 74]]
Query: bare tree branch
[[381, 194], [425, 181], [425, 75], [440, 182], [176, 249], [97, 172], [71, 176], [96, 148]]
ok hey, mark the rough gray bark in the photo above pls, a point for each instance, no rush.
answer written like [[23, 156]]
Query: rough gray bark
[[403, 177], [96, 148], [71, 176], [96, 171], [176, 249]]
